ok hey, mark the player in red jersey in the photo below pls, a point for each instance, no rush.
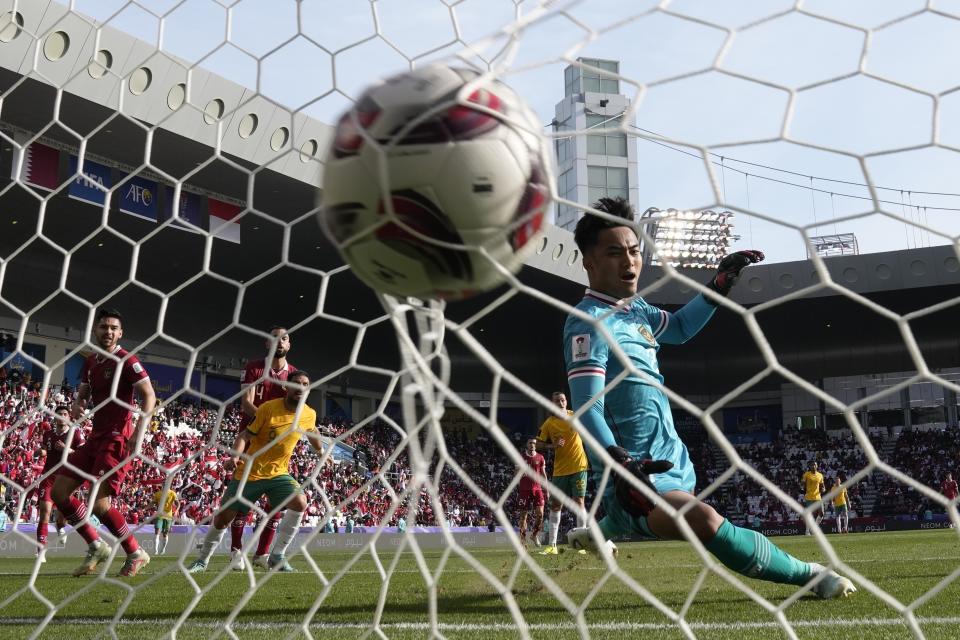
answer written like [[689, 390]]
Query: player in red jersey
[[949, 487], [531, 493], [263, 383], [103, 457], [54, 448]]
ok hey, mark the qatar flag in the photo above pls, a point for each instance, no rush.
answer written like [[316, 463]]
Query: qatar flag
[[224, 223], [41, 166]]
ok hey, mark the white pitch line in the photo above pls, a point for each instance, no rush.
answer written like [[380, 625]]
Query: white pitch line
[[498, 626], [549, 569]]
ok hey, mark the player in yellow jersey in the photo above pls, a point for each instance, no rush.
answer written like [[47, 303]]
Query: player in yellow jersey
[[813, 489], [261, 465], [167, 503], [569, 465], [841, 505]]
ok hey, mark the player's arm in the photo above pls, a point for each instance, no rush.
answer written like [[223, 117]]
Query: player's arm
[[80, 402], [148, 400], [246, 400], [240, 444], [585, 353]]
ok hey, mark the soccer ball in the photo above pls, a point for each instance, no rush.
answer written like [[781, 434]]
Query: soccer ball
[[436, 184]]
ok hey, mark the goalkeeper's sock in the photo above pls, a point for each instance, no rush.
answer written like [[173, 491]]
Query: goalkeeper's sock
[[210, 542], [751, 554], [288, 528], [554, 527]]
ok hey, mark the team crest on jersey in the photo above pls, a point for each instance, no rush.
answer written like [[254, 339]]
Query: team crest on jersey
[[646, 333], [108, 374], [580, 346]]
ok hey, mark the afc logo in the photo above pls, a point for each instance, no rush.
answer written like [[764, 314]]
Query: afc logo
[[139, 194]]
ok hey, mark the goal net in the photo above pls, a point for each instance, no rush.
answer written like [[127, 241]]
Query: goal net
[[164, 158]]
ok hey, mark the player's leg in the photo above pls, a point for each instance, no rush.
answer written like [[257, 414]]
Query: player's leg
[[538, 517], [231, 507], [268, 533], [43, 521], [75, 512], [285, 492], [61, 525], [157, 533], [110, 515], [744, 551], [553, 518], [846, 519], [523, 508]]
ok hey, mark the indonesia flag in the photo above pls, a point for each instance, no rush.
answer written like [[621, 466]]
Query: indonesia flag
[[224, 223], [41, 166]]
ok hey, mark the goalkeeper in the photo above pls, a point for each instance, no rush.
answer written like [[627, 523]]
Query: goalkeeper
[[632, 421]]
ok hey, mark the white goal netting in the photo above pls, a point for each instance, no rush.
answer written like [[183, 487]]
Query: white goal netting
[[163, 157]]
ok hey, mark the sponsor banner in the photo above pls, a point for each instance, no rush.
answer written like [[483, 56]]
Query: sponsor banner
[[167, 379], [187, 539], [223, 222], [189, 212], [91, 184], [138, 197], [41, 166]]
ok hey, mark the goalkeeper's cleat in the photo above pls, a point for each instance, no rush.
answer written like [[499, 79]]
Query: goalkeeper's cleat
[[549, 550], [237, 560], [833, 585], [582, 540], [134, 563], [42, 556], [632, 500], [197, 566], [582, 552], [261, 562], [62, 538], [280, 564], [97, 552]]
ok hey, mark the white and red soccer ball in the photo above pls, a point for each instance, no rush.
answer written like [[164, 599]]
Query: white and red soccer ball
[[432, 178]]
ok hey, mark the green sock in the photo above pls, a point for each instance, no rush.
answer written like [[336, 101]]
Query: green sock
[[751, 553]]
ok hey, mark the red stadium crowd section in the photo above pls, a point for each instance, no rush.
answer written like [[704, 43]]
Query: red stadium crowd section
[[183, 445]]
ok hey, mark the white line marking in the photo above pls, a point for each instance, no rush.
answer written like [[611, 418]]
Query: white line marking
[[503, 626]]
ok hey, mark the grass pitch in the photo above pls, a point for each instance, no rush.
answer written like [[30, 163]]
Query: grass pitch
[[905, 565]]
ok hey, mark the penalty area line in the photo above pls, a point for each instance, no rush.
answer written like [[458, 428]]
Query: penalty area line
[[498, 626]]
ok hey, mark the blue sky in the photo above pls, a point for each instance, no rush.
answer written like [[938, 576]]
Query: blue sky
[[857, 115]]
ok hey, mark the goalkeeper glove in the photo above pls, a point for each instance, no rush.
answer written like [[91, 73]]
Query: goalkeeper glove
[[630, 498], [728, 271]]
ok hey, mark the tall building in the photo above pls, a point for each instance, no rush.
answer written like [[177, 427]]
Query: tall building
[[592, 166]]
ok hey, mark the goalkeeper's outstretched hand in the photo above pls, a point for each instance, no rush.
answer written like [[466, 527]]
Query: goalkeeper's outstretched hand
[[728, 271], [630, 498]]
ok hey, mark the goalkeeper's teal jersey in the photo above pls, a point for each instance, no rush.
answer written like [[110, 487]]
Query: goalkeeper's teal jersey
[[634, 414]]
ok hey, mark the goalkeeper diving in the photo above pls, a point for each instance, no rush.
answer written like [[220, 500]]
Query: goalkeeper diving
[[632, 421]]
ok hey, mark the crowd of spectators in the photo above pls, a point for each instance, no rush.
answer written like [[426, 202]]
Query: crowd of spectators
[[187, 443], [925, 455]]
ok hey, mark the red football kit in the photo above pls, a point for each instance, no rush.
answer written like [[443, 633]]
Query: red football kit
[[54, 444], [268, 388], [531, 493], [112, 422]]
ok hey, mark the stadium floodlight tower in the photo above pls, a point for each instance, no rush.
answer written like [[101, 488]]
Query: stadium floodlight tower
[[688, 239], [838, 244]]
